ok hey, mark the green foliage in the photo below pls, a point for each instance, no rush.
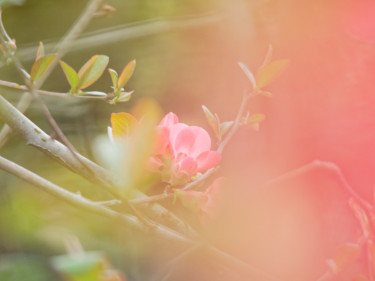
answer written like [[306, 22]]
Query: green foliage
[[213, 121], [270, 72], [86, 266], [91, 71], [40, 52], [126, 73], [40, 66], [71, 75], [118, 82]]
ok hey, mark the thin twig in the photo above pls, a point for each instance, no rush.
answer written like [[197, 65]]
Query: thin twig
[[23, 88], [321, 165], [237, 122], [61, 49], [84, 203], [36, 137], [32, 89], [128, 31], [201, 179]]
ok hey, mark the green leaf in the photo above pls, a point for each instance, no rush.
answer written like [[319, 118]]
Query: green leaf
[[248, 74], [71, 75], [254, 120], [40, 66], [213, 121], [126, 73], [224, 127], [114, 78], [40, 52], [269, 72], [84, 267], [91, 71], [122, 123]]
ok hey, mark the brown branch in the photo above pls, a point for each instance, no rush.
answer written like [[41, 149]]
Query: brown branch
[[86, 204], [61, 50]]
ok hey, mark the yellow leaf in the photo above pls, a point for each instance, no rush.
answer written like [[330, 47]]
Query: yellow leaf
[[122, 123], [269, 72]]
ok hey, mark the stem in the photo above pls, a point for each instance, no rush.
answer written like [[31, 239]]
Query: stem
[[326, 166], [236, 124], [86, 204], [36, 137], [61, 49], [23, 88]]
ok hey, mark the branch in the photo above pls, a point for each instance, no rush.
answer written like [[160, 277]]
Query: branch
[[34, 136], [128, 31], [86, 204], [237, 121], [61, 49], [326, 166], [23, 88]]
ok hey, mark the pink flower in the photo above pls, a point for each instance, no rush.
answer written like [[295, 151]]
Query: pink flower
[[182, 151]]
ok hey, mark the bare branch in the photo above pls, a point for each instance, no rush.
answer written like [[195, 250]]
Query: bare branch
[[61, 49], [321, 165], [85, 204]]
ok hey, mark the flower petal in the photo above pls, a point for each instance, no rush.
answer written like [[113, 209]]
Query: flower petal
[[208, 160], [183, 171], [169, 120], [192, 141], [188, 165], [173, 132], [162, 141]]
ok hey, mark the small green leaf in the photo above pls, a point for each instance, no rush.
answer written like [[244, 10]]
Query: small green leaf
[[91, 71], [87, 266], [40, 52], [122, 123], [254, 120], [114, 78], [71, 75], [248, 74], [224, 127], [269, 72], [126, 73], [40, 66], [213, 121]]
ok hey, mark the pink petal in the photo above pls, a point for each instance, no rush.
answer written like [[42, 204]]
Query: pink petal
[[169, 120], [188, 165], [183, 170], [208, 160], [192, 141], [162, 141], [173, 132]]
